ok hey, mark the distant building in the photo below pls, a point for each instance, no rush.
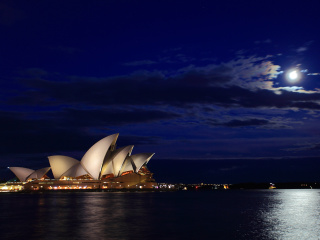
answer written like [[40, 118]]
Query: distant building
[[102, 167]]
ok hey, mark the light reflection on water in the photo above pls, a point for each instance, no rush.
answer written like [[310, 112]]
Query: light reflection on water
[[231, 214], [293, 214]]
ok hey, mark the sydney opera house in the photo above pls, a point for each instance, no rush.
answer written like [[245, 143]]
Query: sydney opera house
[[103, 166]]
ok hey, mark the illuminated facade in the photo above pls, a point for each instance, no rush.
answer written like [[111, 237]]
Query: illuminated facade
[[102, 167]]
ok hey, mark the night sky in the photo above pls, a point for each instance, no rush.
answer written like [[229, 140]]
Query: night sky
[[203, 84]]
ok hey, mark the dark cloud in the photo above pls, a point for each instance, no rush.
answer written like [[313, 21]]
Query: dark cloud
[[69, 113], [62, 130], [315, 147], [245, 123], [306, 105], [20, 134], [215, 77], [267, 98], [192, 87], [112, 117], [306, 147]]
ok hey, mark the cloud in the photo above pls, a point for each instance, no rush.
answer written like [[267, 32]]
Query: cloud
[[301, 49], [238, 83], [113, 117], [251, 120], [69, 130], [305, 147], [304, 48], [20, 134], [60, 110], [245, 123], [315, 146], [254, 73]]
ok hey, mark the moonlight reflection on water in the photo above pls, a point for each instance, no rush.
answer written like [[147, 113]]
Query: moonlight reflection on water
[[229, 214], [293, 214]]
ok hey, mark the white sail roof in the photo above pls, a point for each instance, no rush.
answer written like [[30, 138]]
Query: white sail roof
[[94, 157], [39, 173], [118, 160], [115, 160], [99, 160], [107, 167], [60, 164], [140, 159], [22, 173], [75, 171], [128, 165]]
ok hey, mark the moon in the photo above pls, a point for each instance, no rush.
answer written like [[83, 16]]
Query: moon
[[293, 76]]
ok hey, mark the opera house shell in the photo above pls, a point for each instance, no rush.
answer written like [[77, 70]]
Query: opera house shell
[[102, 167]]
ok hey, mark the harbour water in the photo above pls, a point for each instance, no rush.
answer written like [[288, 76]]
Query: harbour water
[[219, 214]]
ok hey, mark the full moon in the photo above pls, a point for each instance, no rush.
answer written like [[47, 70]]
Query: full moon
[[293, 76]]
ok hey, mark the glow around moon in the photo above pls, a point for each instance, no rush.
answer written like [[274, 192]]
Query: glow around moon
[[293, 76]]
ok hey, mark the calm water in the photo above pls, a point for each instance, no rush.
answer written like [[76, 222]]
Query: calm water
[[230, 214]]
